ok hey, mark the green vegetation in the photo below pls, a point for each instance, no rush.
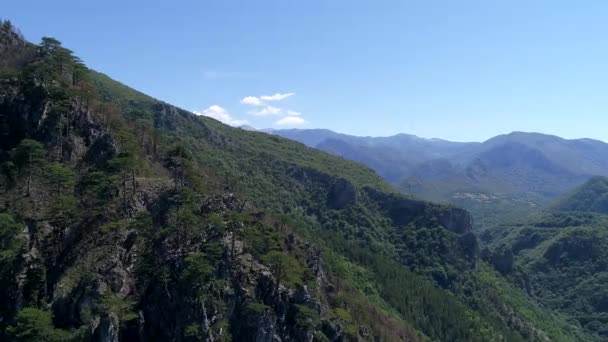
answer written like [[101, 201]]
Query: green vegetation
[[590, 197], [135, 207], [28, 156], [34, 325], [560, 259]]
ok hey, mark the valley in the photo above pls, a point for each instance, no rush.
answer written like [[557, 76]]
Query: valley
[[498, 179], [126, 218]]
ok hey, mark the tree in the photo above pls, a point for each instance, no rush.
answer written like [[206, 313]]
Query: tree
[[143, 127], [63, 212], [29, 157], [198, 269], [10, 243], [285, 268], [114, 228], [11, 249], [178, 161], [60, 177], [60, 109], [96, 191], [235, 222], [87, 93], [111, 115], [186, 224], [122, 308], [9, 174], [128, 161], [7, 25], [48, 45], [35, 325], [62, 60], [282, 221]]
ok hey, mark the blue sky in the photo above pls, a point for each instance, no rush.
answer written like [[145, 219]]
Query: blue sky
[[459, 70]]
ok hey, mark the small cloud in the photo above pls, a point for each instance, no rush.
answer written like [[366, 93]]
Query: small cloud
[[263, 108], [261, 100], [276, 97], [267, 111], [252, 101], [221, 114], [291, 121]]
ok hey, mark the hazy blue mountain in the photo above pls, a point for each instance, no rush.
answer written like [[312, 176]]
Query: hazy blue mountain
[[580, 156], [507, 173], [392, 157]]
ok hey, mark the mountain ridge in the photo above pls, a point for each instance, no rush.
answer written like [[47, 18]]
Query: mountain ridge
[[125, 218], [525, 170]]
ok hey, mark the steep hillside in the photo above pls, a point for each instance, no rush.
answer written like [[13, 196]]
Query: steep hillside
[[126, 218], [561, 260], [589, 197]]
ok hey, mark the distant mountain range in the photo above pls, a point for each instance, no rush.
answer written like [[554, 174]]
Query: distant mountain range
[[518, 170]]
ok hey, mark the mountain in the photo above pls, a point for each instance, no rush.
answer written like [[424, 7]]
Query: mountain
[[559, 256], [497, 179], [560, 260], [391, 157], [579, 156], [126, 218], [589, 197]]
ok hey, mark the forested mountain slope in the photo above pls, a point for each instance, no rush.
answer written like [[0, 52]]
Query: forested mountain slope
[[559, 256], [589, 197], [496, 180], [126, 218], [560, 260]]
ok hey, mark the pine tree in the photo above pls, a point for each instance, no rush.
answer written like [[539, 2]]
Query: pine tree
[[29, 156], [60, 177]]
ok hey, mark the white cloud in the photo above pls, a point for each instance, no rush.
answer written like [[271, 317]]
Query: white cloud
[[262, 108], [252, 101], [261, 101], [221, 114], [276, 97], [291, 121], [267, 111]]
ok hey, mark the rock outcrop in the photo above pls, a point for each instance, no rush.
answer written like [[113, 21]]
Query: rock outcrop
[[456, 220], [342, 194]]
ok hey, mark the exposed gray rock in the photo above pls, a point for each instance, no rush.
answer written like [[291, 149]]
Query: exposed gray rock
[[456, 220], [106, 331], [469, 244], [502, 259], [334, 330], [364, 331], [102, 150]]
